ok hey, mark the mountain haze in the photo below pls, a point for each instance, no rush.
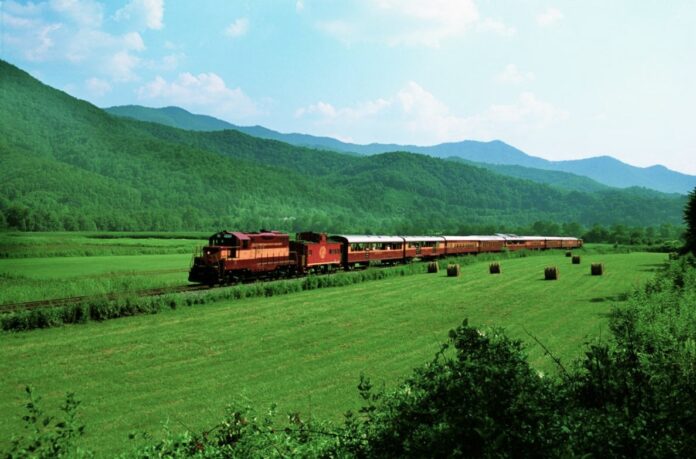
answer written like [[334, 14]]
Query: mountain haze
[[603, 169]]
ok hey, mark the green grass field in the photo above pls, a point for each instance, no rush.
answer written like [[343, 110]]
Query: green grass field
[[81, 244], [32, 279], [304, 351]]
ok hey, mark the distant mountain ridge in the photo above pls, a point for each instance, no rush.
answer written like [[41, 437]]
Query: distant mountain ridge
[[68, 165], [605, 170]]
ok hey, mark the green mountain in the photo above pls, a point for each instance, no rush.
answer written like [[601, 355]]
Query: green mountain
[[604, 169], [178, 117], [66, 164], [558, 179]]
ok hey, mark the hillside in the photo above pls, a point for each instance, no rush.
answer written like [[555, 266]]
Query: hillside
[[66, 164], [558, 179], [604, 169]]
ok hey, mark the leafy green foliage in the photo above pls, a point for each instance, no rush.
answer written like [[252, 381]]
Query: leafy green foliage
[[690, 221], [47, 436]]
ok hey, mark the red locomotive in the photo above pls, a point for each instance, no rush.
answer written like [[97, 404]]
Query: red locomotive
[[236, 256]]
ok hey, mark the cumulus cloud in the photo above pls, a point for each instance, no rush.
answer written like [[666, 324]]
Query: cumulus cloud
[[238, 28], [85, 13], [299, 6], [73, 31], [403, 22], [418, 116], [205, 92], [147, 13], [512, 75], [97, 87], [549, 17], [121, 66], [497, 27]]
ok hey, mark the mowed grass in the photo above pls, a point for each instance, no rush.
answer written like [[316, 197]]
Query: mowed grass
[[33, 279], [304, 351], [80, 244]]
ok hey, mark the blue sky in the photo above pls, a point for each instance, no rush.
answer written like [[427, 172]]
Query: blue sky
[[558, 79]]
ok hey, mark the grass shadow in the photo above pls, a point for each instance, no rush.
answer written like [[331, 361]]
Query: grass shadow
[[615, 298]]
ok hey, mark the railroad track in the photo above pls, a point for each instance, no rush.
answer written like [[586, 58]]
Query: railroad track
[[28, 305]]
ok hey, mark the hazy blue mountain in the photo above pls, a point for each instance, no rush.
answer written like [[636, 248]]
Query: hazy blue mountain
[[604, 169]]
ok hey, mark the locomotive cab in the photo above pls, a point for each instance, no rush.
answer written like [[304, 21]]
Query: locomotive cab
[[237, 256]]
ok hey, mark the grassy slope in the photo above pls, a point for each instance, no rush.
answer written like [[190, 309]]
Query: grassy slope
[[304, 351]]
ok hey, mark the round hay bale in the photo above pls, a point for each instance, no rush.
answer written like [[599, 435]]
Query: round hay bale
[[453, 271], [597, 269], [576, 259], [433, 267], [494, 268], [551, 273], [569, 254]]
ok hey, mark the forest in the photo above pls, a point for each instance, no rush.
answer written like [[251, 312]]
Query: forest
[[68, 165]]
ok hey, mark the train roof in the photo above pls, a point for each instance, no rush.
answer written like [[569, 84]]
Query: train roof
[[473, 238], [367, 239], [527, 238], [423, 238]]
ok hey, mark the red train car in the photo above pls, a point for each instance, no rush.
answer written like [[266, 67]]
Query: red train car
[[570, 242], [457, 245], [315, 253], [361, 250], [423, 247], [490, 243]]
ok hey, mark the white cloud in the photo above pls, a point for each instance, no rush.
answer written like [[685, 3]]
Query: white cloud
[[22, 9], [495, 26], [147, 13], [85, 13], [299, 6], [205, 92], [97, 87], [134, 41], [418, 116], [121, 66], [403, 22], [549, 17], [74, 34], [358, 112], [511, 74], [238, 28]]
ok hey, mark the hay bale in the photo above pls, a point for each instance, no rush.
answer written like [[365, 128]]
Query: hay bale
[[494, 268], [576, 259], [569, 254], [551, 273], [597, 269], [433, 267], [453, 271]]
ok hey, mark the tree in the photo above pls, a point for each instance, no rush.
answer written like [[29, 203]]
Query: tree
[[690, 220]]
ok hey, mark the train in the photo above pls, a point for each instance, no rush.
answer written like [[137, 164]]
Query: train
[[233, 257]]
